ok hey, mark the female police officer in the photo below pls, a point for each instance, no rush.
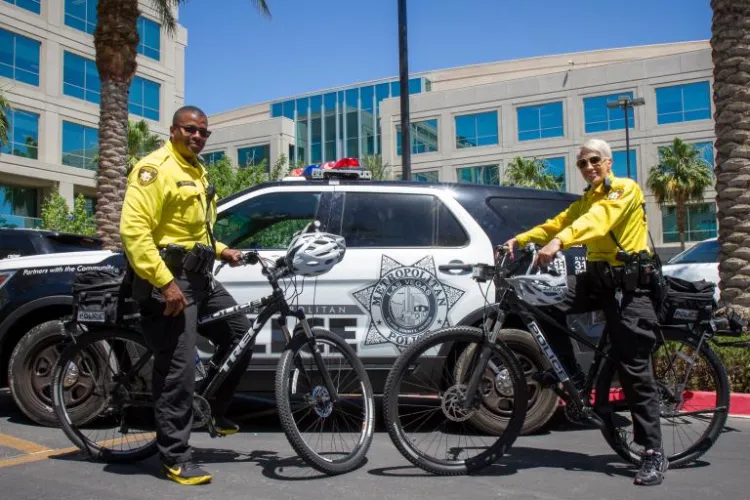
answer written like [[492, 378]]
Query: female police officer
[[610, 220]]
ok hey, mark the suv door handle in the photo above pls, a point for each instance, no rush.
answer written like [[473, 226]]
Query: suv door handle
[[455, 272]]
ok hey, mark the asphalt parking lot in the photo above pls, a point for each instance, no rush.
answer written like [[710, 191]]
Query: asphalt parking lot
[[566, 462]]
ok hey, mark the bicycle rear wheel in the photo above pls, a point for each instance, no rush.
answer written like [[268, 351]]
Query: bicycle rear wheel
[[694, 401], [109, 372], [332, 437], [425, 389]]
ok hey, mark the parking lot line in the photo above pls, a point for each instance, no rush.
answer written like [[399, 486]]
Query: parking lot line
[[21, 444], [43, 453]]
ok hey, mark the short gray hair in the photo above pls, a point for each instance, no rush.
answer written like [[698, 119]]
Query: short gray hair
[[596, 145]]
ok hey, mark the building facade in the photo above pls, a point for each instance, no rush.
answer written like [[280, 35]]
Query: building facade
[[48, 74], [469, 123]]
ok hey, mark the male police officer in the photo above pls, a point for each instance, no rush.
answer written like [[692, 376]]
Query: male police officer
[[166, 228], [610, 220]]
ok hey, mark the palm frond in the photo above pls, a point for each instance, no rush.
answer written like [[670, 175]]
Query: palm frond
[[4, 122]]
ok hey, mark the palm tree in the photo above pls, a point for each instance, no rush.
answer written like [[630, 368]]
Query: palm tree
[[730, 39], [531, 173], [680, 177], [116, 41], [374, 163], [4, 123], [141, 142]]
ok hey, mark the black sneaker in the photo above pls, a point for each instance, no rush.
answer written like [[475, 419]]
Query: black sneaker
[[654, 465], [187, 473], [225, 427]]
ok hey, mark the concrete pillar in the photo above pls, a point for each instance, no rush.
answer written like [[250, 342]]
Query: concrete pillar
[[67, 191]]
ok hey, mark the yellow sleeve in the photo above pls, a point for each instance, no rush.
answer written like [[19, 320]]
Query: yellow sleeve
[[141, 214], [547, 230], [600, 218]]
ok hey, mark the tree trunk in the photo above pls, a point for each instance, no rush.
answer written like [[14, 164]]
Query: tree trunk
[[681, 212], [730, 41], [113, 159], [116, 42]]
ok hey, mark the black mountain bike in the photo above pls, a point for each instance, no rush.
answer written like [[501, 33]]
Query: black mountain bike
[[324, 399], [447, 377]]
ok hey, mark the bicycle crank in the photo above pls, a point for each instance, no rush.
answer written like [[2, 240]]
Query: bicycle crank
[[201, 412]]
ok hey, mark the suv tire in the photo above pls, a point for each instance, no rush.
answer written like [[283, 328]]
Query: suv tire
[[543, 402]]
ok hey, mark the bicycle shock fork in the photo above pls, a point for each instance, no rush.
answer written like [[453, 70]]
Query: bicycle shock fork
[[332, 392]]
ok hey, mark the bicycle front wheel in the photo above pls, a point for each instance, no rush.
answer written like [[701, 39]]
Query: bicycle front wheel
[[332, 436], [425, 394], [101, 393], [693, 391]]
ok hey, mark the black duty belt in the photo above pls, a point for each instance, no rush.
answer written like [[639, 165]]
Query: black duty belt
[[199, 259]]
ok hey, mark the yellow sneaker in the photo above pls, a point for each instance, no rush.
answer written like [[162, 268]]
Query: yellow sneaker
[[225, 427], [187, 473]]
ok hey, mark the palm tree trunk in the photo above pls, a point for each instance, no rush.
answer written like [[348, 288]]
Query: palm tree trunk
[[681, 212], [730, 42], [113, 159], [116, 42]]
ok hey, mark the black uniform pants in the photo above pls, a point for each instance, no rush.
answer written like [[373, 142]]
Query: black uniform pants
[[630, 327], [173, 339]]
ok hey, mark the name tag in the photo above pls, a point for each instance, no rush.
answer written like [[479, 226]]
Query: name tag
[[185, 183]]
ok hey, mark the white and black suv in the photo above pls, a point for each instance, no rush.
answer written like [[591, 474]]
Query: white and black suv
[[384, 295]]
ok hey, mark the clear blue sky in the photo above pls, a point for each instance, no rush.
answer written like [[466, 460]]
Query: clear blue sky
[[236, 57]]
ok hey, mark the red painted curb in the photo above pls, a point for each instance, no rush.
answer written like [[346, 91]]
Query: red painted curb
[[739, 403]]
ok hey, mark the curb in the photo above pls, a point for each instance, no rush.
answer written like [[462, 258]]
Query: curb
[[739, 403]]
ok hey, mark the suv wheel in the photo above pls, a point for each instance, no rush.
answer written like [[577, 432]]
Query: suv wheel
[[493, 415], [30, 372]]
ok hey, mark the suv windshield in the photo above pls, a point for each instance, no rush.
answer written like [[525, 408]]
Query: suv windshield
[[701, 253]]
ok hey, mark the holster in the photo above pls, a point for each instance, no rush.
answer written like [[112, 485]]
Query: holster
[[199, 259], [638, 271]]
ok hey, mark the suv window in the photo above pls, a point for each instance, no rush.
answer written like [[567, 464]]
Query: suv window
[[700, 253], [522, 214], [69, 244], [15, 245], [382, 220], [268, 221]]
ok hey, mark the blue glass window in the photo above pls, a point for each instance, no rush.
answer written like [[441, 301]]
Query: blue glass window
[[487, 174], [423, 137], [682, 103], [80, 146], [212, 157], [18, 206], [276, 110], [620, 164], [476, 130], [426, 176], [707, 152], [600, 118], [149, 34], [144, 98], [81, 15], [19, 58], [288, 109], [30, 5], [540, 122], [254, 155], [81, 78], [556, 167], [23, 134], [700, 224]]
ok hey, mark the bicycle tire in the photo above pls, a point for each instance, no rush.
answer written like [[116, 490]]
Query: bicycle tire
[[708, 437], [95, 450], [460, 335], [284, 381]]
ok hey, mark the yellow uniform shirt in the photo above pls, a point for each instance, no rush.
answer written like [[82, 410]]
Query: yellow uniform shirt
[[615, 205], [165, 202]]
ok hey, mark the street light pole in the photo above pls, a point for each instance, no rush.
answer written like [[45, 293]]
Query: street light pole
[[404, 86], [625, 102]]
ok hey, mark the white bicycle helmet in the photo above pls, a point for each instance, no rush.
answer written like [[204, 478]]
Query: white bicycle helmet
[[313, 254], [543, 288]]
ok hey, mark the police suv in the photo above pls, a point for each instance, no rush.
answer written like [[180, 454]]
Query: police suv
[[384, 295]]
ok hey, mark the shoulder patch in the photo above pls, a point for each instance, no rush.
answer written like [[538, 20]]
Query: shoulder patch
[[615, 194], [147, 175]]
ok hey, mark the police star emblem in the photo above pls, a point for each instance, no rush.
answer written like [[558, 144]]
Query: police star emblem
[[406, 302], [146, 175]]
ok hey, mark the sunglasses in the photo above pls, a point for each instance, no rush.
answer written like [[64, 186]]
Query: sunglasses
[[594, 161], [192, 129]]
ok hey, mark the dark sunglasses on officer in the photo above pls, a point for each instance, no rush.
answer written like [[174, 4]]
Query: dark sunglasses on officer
[[593, 160], [192, 129]]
